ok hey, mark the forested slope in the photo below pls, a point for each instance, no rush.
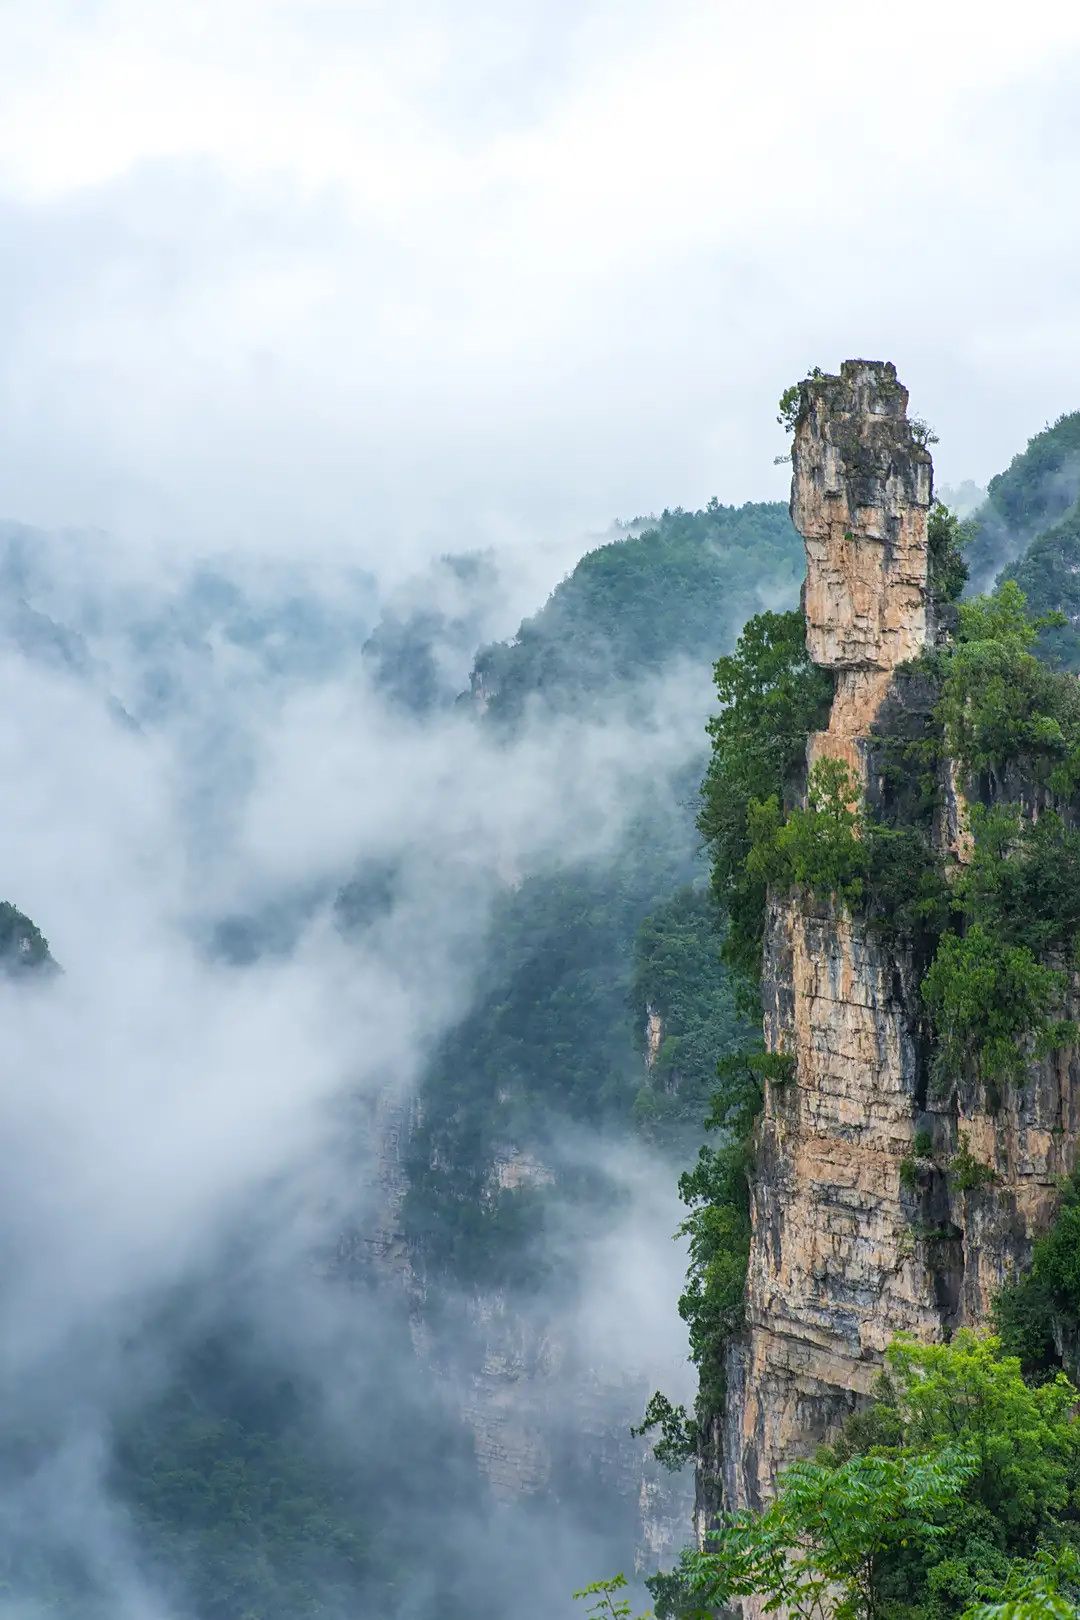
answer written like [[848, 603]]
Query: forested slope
[[559, 1037]]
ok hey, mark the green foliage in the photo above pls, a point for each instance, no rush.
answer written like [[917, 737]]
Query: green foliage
[[1049, 575], [822, 1547], [999, 704], [909, 1174], [1023, 881], [923, 1143], [1056, 1261], [1040, 1308], [717, 1194], [771, 698], [680, 588], [606, 1605], [1044, 479], [947, 539], [991, 1003], [822, 847], [677, 1444], [1033, 1591], [791, 402], [989, 993], [835, 848], [789, 406], [1024, 1319], [1036, 490], [679, 978], [1023, 1441], [932, 1501], [966, 1172]]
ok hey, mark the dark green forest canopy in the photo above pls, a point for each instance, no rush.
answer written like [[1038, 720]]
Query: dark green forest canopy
[[22, 945], [1038, 488], [1049, 575], [682, 588], [249, 1503]]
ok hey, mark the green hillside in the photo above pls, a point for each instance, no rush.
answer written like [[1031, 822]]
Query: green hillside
[[681, 588]]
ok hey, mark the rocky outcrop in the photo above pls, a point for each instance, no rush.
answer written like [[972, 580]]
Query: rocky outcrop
[[861, 490], [860, 493], [855, 1236]]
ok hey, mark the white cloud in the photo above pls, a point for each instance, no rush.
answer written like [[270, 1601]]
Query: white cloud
[[389, 277]]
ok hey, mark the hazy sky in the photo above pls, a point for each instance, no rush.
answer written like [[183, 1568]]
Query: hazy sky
[[395, 276]]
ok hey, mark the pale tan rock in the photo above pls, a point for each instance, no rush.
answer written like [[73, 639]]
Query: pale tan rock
[[860, 494]]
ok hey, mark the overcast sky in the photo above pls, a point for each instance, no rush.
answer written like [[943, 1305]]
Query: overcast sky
[[398, 276]]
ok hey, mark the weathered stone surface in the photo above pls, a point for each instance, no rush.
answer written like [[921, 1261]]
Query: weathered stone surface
[[833, 1269], [860, 494]]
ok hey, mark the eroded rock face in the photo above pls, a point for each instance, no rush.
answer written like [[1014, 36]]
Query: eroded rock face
[[850, 1247], [860, 494], [834, 1269]]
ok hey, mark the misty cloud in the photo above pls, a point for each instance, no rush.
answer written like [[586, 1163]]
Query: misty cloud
[[180, 1128], [402, 279]]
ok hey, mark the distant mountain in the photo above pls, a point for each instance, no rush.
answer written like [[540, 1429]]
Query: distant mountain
[[429, 629], [680, 589], [23, 947], [1036, 490], [1049, 575]]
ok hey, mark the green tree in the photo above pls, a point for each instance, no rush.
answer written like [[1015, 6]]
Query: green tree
[[772, 696], [820, 1548], [990, 1003], [998, 702], [939, 1497]]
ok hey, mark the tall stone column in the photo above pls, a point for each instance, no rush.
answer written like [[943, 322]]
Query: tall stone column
[[861, 490], [844, 1255], [833, 1274]]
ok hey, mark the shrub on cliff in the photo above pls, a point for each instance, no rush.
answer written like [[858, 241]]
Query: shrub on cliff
[[957, 1489], [821, 847], [991, 1002], [771, 698], [999, 703]]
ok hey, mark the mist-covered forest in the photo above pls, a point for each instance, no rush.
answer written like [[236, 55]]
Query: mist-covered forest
[[370, 1327], [540, 833], [465, 1152]]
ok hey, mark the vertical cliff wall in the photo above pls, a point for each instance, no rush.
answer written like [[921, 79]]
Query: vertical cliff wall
[[550, 1420], [845, 1252]]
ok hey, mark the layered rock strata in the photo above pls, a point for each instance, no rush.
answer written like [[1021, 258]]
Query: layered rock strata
[[845, 1254]]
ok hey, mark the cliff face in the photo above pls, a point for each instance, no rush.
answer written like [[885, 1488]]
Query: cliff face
[[550, 1423], [844, 1256]]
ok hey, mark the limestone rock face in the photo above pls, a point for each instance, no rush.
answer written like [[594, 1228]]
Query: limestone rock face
[[849, 1247], [860, 494]]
